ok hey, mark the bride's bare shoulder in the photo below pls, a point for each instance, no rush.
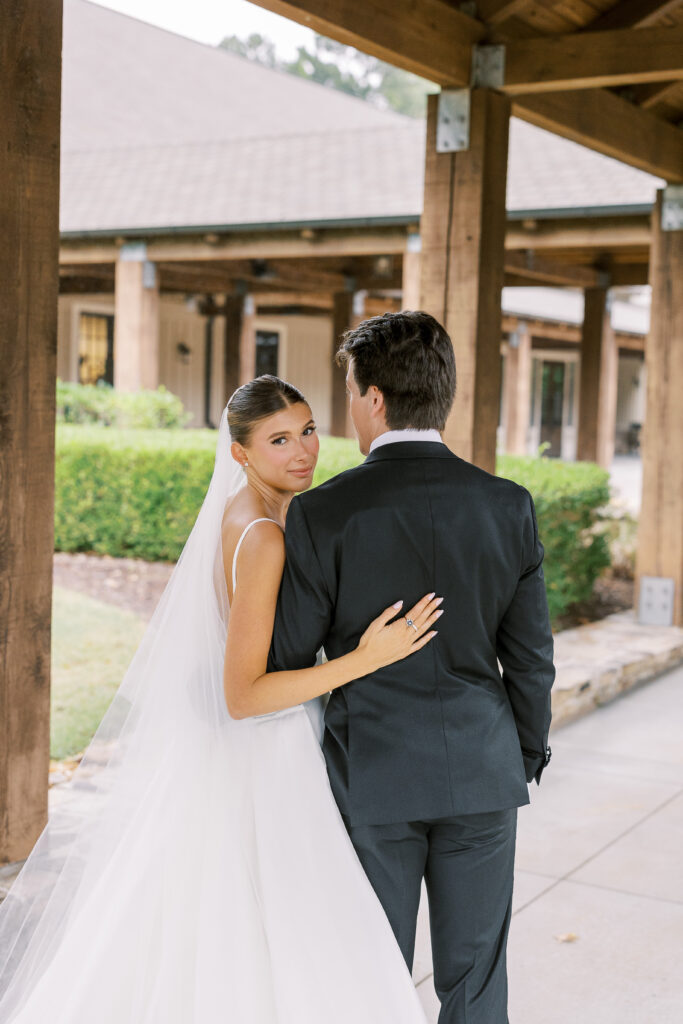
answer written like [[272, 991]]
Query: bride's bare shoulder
[[239, 512], [262, 549]]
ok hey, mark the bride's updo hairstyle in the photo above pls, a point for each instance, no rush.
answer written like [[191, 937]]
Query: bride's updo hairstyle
[[255, 401]]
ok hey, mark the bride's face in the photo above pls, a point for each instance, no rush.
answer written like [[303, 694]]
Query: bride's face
[[283, 449]]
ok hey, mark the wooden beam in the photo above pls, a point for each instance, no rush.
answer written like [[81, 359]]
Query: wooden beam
[[622, 274], [463, 232], [540, 270], [246, 246], [590, 60], [431, 39], [630, 342], [30, 96], [293, 308], [435, 38], [651, 95], [495, 12], [603, 121], [632, 14], [659, 549], [542, 329], [321, 300], [590, 233]]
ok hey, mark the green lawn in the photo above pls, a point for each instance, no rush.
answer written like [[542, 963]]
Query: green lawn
[[92, 645]]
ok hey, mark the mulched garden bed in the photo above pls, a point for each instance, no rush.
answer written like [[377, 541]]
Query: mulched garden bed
[[137, 585]]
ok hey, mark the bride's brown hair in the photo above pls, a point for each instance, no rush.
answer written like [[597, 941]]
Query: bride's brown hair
[[256, 400]]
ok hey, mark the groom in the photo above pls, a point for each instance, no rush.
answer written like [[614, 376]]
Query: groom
[[428, 758]]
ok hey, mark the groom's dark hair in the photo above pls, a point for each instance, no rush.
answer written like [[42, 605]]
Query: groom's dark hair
[[409, 357]]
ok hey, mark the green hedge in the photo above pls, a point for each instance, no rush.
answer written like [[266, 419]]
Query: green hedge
[[569, 498], [100, 403], [136, 493]]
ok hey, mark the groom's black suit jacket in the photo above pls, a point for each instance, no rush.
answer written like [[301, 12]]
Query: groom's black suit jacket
[[441, 732]]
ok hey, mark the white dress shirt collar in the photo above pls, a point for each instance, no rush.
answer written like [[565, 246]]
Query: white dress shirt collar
[[390, 436]]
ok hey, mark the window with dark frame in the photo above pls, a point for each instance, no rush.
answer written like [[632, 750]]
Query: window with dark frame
[[267, 344], [96, 348]]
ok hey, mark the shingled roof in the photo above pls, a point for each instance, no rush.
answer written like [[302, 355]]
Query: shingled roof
[[160, 131]]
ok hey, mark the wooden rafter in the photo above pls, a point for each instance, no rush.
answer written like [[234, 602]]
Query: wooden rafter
[[495, 12], [591, 60], [534, 269], [633, 14], [649, 96], [434, 35], [602, 120], [435, 42], [250, 245]]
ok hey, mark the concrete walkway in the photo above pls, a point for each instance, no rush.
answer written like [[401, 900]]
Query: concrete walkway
[[597, 932]]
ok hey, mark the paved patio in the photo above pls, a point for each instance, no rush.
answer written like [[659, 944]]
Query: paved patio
[[597, 932]]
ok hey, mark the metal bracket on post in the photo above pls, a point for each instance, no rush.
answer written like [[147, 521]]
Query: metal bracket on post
[[672, 208], [656, 604], [453, 121], [133, 252], [149, 274], [358, 303], [414, 242], [488, 67]]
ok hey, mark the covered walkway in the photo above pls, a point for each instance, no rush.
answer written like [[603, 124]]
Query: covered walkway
[[597, 931], [606, 74]]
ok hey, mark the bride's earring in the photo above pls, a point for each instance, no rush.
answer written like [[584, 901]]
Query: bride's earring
[[244, 465]]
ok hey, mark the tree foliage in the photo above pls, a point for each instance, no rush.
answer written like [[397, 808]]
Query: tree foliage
[[343, 68]]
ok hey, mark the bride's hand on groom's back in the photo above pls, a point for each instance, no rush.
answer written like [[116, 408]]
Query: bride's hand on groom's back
[[385, 642]]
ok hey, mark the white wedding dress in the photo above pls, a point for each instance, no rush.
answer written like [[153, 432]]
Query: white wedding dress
[[212, 880]]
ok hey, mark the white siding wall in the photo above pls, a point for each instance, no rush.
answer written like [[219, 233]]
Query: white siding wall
[[305, 361], [186, 379]]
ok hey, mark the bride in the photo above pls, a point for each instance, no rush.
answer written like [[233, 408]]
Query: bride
[[196, 869]]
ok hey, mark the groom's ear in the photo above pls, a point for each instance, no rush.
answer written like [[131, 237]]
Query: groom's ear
[[378, 407]]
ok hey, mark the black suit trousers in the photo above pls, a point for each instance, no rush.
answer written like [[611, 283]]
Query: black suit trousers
[[467, 862]]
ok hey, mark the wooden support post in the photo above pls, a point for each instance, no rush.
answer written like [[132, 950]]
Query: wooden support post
[[598, 381], [233, 305], [342, 318], [247, 349], [517, 391], [136, 320], [410, 296], [30, 96], [463, 236], [660, 527]]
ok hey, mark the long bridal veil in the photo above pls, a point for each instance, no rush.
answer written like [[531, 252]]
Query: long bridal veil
[[135, 830]]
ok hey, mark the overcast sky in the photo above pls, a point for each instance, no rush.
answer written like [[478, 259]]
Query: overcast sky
[[209, 21]]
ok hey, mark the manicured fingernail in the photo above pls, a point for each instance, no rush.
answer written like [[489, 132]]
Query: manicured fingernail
[[434, 632], [440, 612], [431, 595], [438, 600], [397, 605]]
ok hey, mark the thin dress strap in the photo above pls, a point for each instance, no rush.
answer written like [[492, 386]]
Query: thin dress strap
[[263, 519]]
